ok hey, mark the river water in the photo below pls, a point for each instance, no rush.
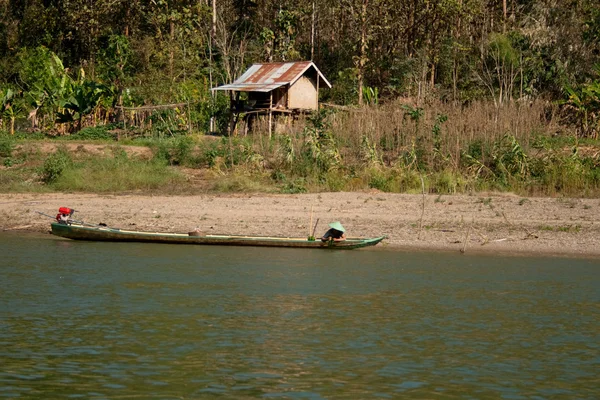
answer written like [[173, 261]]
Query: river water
[[111, 320]]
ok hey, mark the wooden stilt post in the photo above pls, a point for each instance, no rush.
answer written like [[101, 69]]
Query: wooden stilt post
[[318, 81], [270, 114], [231, 109]]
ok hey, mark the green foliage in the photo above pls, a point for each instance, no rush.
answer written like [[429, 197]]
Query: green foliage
[[371, 95], [40, 69], [510, 158], [447, 182], [556, 172], [6, 98], [168, 122], [93, 133], [84, 100], [115, 60], [501, 49], [286, 23], [267, 38], [585, 105], [55, 165], [7, 145], [118, 174], [394, 180], [240, 180], [44, 79], [411, 50], [176, 151], [369, 152], [319, 150], [414, 113], [380, 180], [438, 157], [345, 91], [9, 108], [295, 186]]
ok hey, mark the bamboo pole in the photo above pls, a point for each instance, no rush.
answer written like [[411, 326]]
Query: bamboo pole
[[270, 114], [311, 220], [422, 208]]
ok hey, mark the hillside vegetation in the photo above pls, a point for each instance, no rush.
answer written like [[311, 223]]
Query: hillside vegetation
[[444, 96]]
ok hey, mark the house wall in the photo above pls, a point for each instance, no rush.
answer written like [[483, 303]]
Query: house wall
[[303, 94]]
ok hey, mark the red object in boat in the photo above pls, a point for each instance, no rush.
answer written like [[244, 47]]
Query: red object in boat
[[66, 210]]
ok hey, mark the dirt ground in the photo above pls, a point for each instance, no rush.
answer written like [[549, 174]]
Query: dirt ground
[[495, 223]]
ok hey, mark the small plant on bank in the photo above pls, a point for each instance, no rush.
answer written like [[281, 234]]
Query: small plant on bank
[[7, 145], [486, 201], [55, 165], [93, 133]]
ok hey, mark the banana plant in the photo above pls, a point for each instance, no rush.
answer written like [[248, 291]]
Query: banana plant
[[371, 95], [8, 109], [5, 101], [586, 104], [84, 100]]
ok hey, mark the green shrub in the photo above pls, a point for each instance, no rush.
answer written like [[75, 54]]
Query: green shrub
[[176, 151], [379, 180], [7, 145], [446, 182], [20, 135], [118, 173], [92, 133], [297, 185], [56, 165], [336, 180], [182, 150]]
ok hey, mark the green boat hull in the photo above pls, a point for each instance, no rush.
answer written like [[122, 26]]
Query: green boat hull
[[92, 233]]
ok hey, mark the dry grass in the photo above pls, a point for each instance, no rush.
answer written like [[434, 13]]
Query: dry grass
[[392, 125]]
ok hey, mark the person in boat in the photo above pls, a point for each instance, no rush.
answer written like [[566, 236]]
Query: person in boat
[[336, 233]]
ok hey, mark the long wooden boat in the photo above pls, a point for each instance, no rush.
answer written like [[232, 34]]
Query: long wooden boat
[[107, 234]]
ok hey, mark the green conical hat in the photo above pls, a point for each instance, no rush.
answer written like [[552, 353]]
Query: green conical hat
[[337, 226]]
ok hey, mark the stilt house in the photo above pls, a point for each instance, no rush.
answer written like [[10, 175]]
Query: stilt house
[[275, 89]]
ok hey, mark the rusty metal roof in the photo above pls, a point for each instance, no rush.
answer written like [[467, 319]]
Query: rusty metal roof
[[267, 77]]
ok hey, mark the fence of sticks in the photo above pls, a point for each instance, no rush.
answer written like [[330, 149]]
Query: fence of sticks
[[170, 117]]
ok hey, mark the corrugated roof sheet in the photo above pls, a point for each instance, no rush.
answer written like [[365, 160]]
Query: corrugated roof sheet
[[267, 77]]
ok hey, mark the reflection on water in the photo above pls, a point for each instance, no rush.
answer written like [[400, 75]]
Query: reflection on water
[[108, 320]]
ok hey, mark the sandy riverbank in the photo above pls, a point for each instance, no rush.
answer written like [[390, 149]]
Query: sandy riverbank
[[496, 223]]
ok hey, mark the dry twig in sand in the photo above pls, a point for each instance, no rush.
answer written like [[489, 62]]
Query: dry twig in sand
[[529, 233], [464, 248], [422, 208]]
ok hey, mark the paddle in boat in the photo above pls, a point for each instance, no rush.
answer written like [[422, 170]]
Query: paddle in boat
[[78, 230]]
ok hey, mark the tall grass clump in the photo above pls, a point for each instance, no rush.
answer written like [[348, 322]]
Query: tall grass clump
[[567, 174], [56, 165], [7, 145], [118, 173], [240, 180], [101, 132], [174, 151]]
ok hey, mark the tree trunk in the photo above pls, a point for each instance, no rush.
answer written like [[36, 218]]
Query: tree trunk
[[312, 34], [171, 51], [362, 58], [504, 14], [213, 32], [127, 19]]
